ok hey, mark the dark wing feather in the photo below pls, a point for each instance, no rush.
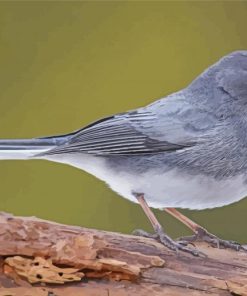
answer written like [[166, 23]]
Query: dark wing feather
[[116, 135]]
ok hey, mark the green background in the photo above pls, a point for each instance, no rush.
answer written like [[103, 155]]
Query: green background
[[65, 64]]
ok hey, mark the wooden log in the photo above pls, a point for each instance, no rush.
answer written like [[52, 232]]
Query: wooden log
[[40, 257]]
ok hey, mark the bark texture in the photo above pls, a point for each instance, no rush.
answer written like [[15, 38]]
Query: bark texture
[[44, 258]]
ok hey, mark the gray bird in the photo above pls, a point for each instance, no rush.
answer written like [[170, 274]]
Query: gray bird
[[186, 150]]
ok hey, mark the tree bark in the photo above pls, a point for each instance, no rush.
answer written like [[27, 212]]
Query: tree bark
[[43, 258]]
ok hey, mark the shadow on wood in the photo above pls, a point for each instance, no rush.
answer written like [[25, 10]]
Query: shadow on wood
[[44, 258]]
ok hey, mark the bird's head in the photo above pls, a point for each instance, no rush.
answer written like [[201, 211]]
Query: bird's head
[[223, 86], [231, 74]]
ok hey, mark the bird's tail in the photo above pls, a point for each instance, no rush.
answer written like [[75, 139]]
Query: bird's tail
[[26, 148]]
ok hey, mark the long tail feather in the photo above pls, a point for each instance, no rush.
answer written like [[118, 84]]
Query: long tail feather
[[26, 148]]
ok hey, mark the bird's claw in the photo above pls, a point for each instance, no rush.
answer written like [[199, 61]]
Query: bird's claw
[[203, 235], [163, 238]]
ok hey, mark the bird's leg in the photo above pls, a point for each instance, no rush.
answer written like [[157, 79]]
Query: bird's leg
[[201, 234], [159, 232]]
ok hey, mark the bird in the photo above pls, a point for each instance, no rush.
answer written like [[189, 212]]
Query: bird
[[186, 150]]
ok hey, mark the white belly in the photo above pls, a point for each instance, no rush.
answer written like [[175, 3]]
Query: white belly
[[170, 189]]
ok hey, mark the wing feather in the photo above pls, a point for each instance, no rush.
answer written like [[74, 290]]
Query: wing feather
[[116, 135]]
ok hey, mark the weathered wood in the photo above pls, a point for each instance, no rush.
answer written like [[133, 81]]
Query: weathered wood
[[93, 262]]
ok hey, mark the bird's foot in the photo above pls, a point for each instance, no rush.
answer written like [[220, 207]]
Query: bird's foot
[[163, 238], [203, 235]]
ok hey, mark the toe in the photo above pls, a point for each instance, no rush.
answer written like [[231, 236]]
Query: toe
[[244, 248], [140, 232], [194, 251]]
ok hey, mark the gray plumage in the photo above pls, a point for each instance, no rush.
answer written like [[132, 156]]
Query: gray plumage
[[198, 131], [206, 117]]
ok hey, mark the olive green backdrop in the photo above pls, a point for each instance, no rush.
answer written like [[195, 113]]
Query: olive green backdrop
[[64, 64]]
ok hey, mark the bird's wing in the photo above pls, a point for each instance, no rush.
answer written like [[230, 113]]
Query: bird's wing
[[144, 131]]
